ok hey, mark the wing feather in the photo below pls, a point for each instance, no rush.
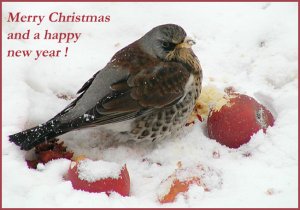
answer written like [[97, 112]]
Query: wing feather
[[141, 93], [140, 84]]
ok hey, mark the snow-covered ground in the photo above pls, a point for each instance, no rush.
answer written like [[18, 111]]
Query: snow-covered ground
[[251, 46]]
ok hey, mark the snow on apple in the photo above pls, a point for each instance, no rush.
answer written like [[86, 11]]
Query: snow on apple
[[99, 176]]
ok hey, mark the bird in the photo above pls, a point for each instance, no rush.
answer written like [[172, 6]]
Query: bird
[[146, 92]]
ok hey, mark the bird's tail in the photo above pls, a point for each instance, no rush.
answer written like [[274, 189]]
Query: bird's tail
[[31, 137]]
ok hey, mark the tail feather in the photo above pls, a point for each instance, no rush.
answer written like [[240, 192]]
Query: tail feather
[[31, 137]]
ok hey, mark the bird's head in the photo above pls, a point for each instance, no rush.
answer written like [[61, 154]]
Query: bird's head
[[165, 41]]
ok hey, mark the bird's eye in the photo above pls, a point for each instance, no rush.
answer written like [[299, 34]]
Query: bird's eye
[[168, 46]]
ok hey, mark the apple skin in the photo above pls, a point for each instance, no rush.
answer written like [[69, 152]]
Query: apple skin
[[108, 185], [235, 122]]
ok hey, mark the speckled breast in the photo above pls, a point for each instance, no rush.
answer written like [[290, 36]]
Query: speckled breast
[[165, 122]]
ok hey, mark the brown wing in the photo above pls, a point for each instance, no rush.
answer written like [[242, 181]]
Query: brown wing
[[143, 92], [159, 87]]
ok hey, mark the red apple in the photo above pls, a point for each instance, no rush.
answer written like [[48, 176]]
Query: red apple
[[48, 151], [236, 121], [99, 176]]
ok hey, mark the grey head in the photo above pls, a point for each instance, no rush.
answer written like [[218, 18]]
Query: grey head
[[162, 39]]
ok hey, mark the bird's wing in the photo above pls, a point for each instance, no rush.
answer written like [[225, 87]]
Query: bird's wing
[[81, 91], [91, 92], [149, 89], [87, 84]]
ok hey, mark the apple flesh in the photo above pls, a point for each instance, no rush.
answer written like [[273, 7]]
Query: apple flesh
[[180, 181], [236, 121], [177, 187], [121, 184]]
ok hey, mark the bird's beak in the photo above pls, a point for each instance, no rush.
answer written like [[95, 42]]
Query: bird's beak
[[187, 43]]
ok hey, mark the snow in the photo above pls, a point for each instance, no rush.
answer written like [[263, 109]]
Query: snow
[[250, 46], [92, 171]]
